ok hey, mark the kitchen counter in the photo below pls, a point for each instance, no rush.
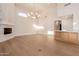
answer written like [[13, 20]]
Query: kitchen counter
[[71, 37]]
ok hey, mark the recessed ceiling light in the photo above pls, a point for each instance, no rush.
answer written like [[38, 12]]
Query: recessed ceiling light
[[22, 14]]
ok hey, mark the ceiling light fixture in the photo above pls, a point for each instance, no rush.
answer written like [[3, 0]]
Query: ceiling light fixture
[[34, 15], [22, 14]]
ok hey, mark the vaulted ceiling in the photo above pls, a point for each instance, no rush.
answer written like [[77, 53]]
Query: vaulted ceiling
[[36, 7]]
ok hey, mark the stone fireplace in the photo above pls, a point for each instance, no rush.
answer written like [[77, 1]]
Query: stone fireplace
[[6, 32]]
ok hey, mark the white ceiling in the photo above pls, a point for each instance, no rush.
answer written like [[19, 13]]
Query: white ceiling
[[36, 7]]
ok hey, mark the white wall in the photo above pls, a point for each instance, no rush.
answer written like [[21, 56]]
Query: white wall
[[71, 9], [48, 19], [7, 17], [67, 23], [24, 26]]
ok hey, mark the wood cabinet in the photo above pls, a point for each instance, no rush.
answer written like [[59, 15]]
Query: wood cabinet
[[64, 36], [72, 37], [58, 35]]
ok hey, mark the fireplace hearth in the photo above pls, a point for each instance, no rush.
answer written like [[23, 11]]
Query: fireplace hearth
[[7, 31]]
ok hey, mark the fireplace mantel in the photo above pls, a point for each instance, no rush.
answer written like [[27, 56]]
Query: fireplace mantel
[[7, 24], [8, 36]]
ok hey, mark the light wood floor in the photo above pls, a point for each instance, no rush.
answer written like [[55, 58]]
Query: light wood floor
[[37, 45]]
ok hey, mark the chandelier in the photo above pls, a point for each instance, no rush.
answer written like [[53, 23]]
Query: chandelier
[[35, 16]]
